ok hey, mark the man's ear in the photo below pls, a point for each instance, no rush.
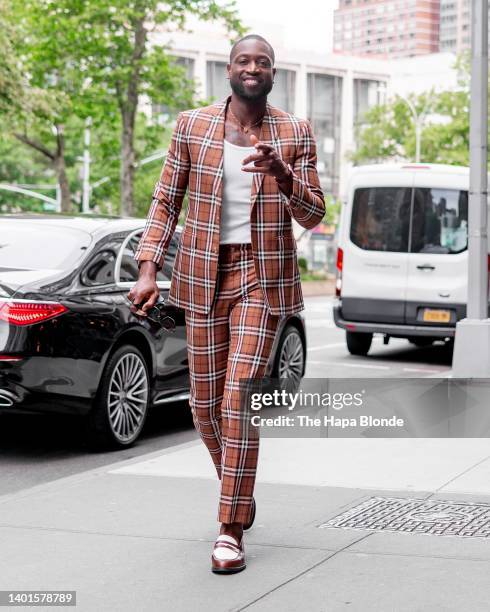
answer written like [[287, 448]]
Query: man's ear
[[228, 68]]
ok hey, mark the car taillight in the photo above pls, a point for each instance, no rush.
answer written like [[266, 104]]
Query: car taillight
[[339, 265], [23, 312]]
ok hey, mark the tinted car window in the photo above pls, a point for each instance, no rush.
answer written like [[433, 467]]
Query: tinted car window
[[381, 218], [37, 246], [100, 269], [440, 221], [129, 266]]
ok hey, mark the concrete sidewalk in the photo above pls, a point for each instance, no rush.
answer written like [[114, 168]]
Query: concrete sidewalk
[[138, 535]]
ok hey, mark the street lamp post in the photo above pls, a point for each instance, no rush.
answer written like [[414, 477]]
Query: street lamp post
[[472, 342], [417, 120]]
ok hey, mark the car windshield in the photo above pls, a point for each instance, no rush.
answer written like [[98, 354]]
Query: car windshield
[[36, 246]]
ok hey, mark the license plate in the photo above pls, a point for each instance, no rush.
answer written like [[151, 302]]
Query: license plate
[[437, 316]]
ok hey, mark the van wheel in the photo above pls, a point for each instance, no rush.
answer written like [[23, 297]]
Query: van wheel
[[358, 343]]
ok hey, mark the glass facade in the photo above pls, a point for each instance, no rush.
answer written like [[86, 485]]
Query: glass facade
[[282, 94], [323, 111], [366, 94], [218, 86]]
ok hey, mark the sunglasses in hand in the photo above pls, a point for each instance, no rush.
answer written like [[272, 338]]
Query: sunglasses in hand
[[157, 315]]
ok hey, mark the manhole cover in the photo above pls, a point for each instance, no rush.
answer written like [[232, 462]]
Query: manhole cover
[[444, 518]]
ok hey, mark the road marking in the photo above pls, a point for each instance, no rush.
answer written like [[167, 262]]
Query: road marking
[[428, 373], [334, 345], [326, 346], [350, 365], [424, 370], [323, 324]]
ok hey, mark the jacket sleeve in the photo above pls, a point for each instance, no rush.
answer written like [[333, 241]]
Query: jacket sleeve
[[306, 203], [167, 199]]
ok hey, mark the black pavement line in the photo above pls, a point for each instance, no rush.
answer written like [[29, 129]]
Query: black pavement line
[[259, 544], [153, 537], [417, 556], [301, 573], [438, 490]]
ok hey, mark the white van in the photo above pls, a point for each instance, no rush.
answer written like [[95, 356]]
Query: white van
[[402, 262]]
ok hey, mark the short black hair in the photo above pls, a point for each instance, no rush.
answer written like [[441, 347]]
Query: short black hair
[[256, 37]]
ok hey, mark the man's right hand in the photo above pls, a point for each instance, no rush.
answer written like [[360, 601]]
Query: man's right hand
[[145, 293]]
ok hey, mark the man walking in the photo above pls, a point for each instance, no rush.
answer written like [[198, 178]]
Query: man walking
[[249, 169]]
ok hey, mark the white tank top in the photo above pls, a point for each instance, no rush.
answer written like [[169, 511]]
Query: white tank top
[[237, 189]]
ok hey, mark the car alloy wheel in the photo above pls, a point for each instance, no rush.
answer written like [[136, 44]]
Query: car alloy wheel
[[122, 401], [290, 360], [127, 397]]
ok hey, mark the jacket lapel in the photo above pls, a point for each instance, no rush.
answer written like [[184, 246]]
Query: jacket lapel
[[268, 135], [213, 138]]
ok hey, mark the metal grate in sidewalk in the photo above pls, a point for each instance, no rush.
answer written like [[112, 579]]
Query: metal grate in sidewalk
[[432, 517]]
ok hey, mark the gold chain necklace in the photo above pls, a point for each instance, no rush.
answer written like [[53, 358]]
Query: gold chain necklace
[[244, 128]]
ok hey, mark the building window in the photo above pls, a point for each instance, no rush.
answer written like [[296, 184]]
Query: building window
[[217, 85], [323, 111], [366, 95], [282, 94]]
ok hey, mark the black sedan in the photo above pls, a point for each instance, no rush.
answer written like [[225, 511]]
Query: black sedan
[[68, 341]]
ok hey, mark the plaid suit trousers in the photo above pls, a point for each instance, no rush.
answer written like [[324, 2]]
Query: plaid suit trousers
[[233, 341]]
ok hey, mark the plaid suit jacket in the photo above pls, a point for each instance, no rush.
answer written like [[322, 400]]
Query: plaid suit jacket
[[195, 162]]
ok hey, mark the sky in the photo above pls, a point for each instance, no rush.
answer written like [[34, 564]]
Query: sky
[[307, 24]]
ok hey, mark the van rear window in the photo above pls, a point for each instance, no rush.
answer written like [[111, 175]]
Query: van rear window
[[381, 218], [439, 221]]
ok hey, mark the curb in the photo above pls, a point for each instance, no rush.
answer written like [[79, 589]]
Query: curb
[[313, 288]]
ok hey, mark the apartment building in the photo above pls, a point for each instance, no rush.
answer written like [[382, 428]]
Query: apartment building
[[386, 28], [455, 29]]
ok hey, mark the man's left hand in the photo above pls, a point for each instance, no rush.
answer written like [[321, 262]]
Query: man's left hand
[[266, 161]]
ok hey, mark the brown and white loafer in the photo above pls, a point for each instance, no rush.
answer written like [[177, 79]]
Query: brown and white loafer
[[228, 555]]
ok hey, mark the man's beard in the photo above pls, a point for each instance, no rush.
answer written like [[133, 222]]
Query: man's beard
[[239, 89]]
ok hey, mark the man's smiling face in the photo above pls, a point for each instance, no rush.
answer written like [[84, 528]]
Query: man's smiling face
[[250, 71]]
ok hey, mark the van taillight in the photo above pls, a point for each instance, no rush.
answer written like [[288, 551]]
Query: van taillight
[[23, 312], [338, 280], [488, 268]]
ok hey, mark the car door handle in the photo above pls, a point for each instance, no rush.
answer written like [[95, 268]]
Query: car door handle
[[426, 267]]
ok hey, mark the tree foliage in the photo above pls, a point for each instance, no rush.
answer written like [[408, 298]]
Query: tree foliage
[[387, 131], [97, 59]]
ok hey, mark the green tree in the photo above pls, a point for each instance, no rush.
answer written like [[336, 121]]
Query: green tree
[[387, 131], [11, 89], [87, 58], [112, 40]]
